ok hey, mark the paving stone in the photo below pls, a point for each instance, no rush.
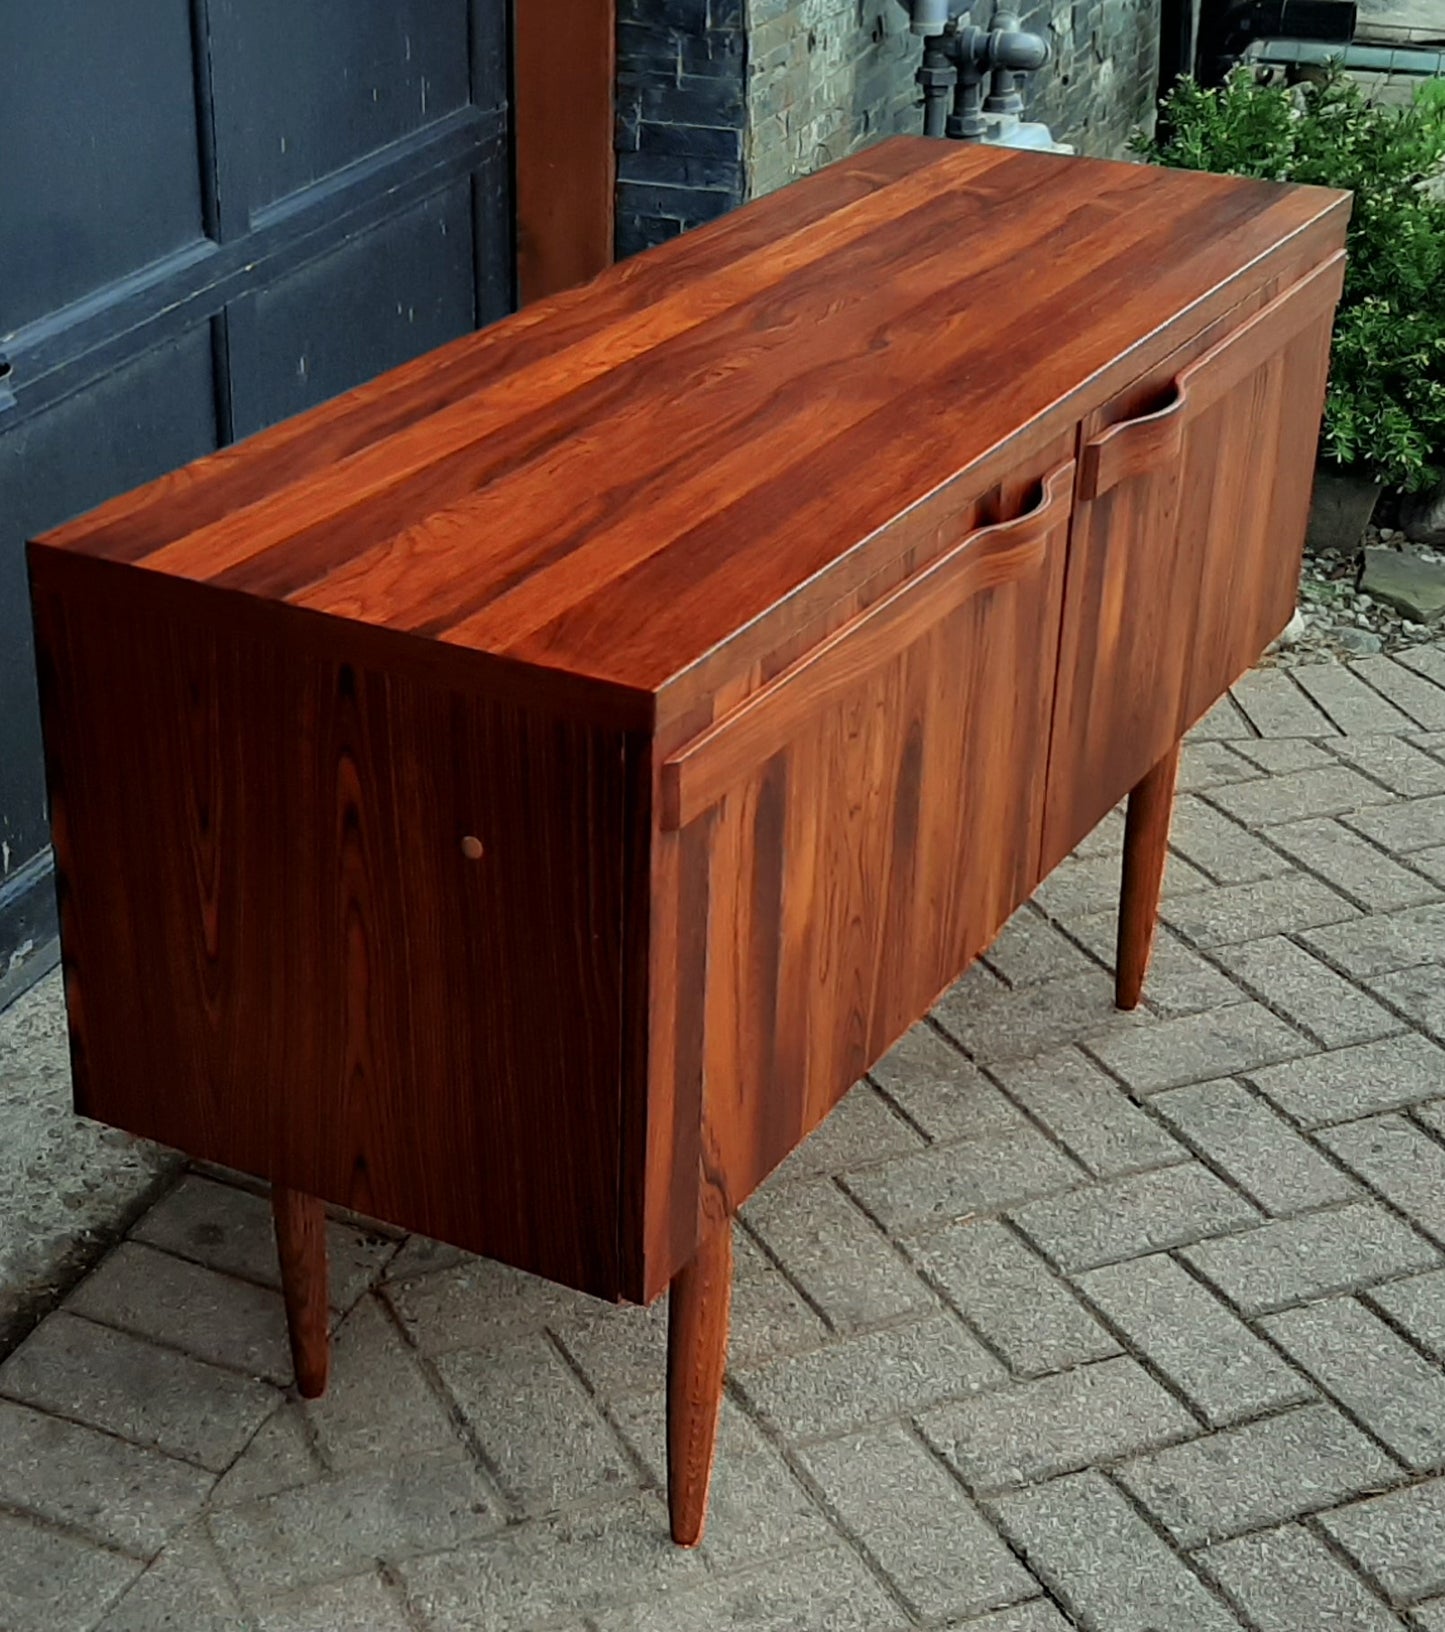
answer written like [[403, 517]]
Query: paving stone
[[147, 1395], [567, 1564], [1354, 866], [1106, 838], [847, 1267], [1417, 1306], [1244, 912], [1088, 1113], [1225, 851], [1103, 1563], [1180, 981], [1294, 1259], [957, 1180], [1083, 886], [1431, 1113], [866, 1378], [1397, 1539], [1038, 1615], [279, 1457], [118, 1494], [1353, 706], [995, 1023], [862, 1127], [1329, 791], [1008, 1293], [1395, 1158], [1030, 950], [1259, 1474], [478, 1303], [377, 1403], [1276, 707], [1124, 1218], [1225, 721], [1413, 695], [1348, 1083], [1195, 1047], [1213, 764], [1185, 1332], [1240, 1134], [53, 1583], [621, 1350], [1375, 1375], [768, 1319], [1428, 659], [1430, 862], [544, 1438], [1417, 993], [184, 1590], [750, 1262], [916, 1523], [1032, 1431], [1406, 825], [756, 1506], [1400, 765], [1280, 755], [65, 1182], [1378, 944], [420, 1255], [828, 1590], [1286, 1580], [359, 1604], [1307, 992], [337, 1527], [940, 1091], [1429, 1617], [230, 1229], [187, 1306]]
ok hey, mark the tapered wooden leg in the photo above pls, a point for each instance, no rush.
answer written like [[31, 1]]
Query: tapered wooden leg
[[1146, 840], [697, 1341], [301, 1246]]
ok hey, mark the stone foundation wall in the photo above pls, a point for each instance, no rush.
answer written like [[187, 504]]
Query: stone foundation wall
[[722, 100]]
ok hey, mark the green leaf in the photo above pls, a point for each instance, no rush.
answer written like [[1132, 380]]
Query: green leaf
[[1385, 408]]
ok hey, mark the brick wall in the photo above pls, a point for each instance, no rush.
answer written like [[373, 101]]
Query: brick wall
[[721, 100], [827, 76], [682, 110]]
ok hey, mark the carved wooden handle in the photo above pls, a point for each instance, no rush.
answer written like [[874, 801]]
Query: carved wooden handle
[[695, 778], [1135, 447]]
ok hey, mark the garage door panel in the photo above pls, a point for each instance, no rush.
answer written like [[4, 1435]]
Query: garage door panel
[[127, 428], [98, 159], [402, 289], [302, 91], [213, 214]]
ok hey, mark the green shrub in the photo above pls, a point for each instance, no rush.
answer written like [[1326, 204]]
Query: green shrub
[[1385, 410]]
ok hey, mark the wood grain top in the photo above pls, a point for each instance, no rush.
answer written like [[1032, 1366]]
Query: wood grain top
[[623, 479]]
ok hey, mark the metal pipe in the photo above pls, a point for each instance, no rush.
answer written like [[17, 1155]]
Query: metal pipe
[[928, 16], [938, 76], [1378, 59]]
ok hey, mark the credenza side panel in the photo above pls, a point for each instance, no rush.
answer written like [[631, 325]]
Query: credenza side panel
[[280, 955], [865, 830], [1247, 480], [1189, 521]]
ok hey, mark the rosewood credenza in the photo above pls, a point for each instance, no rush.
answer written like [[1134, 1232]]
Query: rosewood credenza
[[516, 799]]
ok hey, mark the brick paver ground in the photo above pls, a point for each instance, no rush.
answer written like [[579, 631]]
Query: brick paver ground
[[1066, 1318]]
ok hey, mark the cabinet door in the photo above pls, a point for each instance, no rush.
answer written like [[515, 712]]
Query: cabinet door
[[841, 844], [1184, 557]]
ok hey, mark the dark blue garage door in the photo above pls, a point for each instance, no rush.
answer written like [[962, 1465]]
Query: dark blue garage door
[[214, 213]]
